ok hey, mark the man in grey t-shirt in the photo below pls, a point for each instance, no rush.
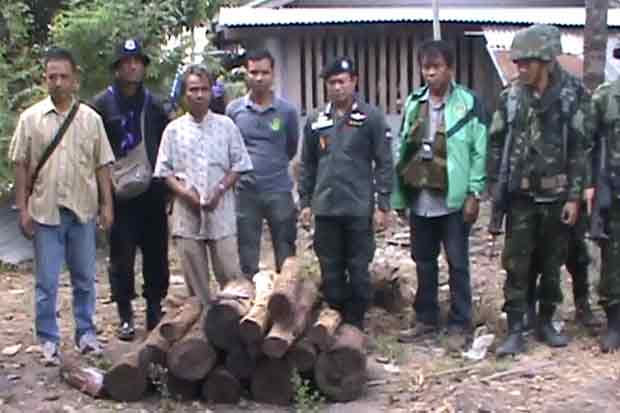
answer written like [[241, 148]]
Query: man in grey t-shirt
[[270, 130]]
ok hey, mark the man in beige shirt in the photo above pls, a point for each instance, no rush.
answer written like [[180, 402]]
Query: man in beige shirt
[[58, 210]]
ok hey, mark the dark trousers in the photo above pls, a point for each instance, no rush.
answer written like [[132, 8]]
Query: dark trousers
[[280, 212], [140, 222], [430, 233], [345, 246], [533, 231], [577, 261]]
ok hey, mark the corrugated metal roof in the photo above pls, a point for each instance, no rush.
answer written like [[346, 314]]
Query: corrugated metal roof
[[561, 16], [499, 39]]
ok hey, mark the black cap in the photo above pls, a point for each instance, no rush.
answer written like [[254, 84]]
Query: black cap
[[337, 66], [128, 48]]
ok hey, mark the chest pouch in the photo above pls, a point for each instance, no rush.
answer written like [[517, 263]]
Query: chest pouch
[[427, 167]]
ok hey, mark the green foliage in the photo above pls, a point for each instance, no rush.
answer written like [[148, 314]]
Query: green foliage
[[19, 67], [93, 30], [306, 398]]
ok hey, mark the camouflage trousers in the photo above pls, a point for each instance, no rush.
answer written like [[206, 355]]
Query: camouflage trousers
[[609, 287], [533, 229], [577, 261]]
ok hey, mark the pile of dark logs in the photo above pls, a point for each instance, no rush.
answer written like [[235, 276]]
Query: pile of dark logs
[[250, 340]]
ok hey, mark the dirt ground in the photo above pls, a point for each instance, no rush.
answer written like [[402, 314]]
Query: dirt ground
[[421, 377]]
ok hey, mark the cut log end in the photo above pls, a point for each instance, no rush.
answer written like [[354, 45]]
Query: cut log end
[[127, 380], [221, 386], [271, 382]]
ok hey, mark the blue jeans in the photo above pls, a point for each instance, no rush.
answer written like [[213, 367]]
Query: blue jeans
[[74, 243], [428, 235]]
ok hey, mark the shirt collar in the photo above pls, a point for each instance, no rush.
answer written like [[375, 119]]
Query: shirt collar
[[427, 93], [249, 103], [48, 105]]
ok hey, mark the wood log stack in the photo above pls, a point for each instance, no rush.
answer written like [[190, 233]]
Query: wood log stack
[[250, 341]]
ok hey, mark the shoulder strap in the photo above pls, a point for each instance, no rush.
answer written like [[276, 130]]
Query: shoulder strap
[[52, 146]]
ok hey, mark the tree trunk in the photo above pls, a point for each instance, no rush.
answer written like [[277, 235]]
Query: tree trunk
[[340, 373], [285, 292], [180, 389], [240, 363], [221, 386], [256, 323], [595, 43], [322, 331], [391, 291], [302, 356], [271, 382], [222, 322], [127, 380], [175, 328], [281, 336], [88, 380], [155, 347], [192, 357]]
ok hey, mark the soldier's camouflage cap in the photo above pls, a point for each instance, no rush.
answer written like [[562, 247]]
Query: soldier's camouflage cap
[[539, 41]]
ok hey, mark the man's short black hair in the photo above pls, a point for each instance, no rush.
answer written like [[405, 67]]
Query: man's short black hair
[[59, 53], [436, 49], [259, 54]]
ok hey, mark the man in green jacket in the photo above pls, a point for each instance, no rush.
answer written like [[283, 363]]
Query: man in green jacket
[[440, 176]]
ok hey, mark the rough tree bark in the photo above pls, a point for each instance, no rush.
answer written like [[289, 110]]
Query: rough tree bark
[[595, 43], [173, 329], [285, 291], [322, 331], [282, 335], [256, 323]]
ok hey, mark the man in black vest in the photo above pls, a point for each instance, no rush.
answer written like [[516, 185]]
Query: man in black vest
[[134, 120]]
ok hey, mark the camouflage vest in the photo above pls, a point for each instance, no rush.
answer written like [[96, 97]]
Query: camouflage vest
[[420, 172]]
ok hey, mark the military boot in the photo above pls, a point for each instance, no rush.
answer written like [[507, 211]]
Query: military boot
[[153, 314], [126, 330], [610, 341], [514, 342], [584, 314], [545, 331]]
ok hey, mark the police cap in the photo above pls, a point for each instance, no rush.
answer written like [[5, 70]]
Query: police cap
[[337, 66], [129, 48]]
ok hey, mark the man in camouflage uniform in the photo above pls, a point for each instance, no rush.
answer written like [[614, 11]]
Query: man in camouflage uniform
[[543, 111], [578, 257], [604, 122]]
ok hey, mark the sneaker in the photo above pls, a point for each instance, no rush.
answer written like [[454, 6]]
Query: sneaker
[[88, 344], [126, 331], [456, 338], [49, 351], [419, 331]]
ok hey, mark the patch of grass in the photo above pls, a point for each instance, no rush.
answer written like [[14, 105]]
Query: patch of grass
[[306, 398], [389, 347]]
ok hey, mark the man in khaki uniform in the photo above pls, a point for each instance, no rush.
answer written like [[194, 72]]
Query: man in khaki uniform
[[58, 209]]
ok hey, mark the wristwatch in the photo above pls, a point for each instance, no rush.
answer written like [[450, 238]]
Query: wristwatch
[[476, 195]]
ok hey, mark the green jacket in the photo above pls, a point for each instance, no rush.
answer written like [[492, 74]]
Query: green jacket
[[466, 129]]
